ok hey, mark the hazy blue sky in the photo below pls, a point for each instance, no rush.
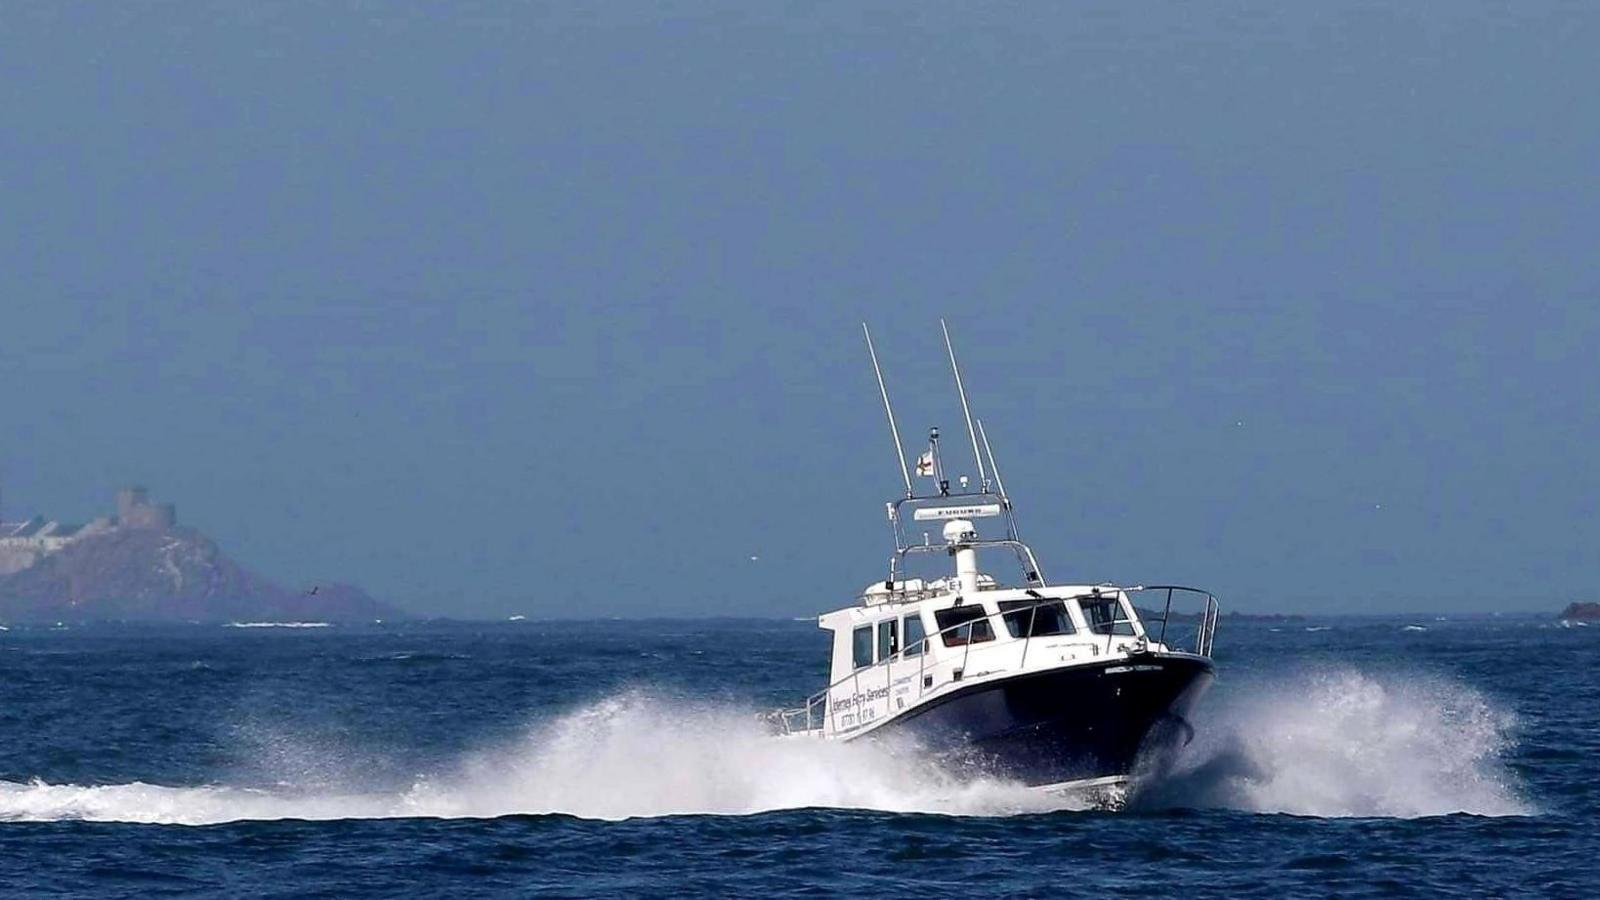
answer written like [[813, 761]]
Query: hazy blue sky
[[516, 308]]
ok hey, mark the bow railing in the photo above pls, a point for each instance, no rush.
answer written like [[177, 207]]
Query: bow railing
[[1185, 632]]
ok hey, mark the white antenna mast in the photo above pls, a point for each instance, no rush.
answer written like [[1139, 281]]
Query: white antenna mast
[[993, 466], [894, 430], [1031, 568], [983, 478]]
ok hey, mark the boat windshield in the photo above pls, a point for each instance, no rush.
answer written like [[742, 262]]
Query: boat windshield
[[974, 625], [914, 635], [1046, 617], [1104, 616]]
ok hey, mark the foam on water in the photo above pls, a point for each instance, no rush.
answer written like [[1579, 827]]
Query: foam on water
[[625, 756], [1340, 742], [1331, 743], [633, 756]]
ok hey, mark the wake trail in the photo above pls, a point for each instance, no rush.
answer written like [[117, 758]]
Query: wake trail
[[627, 756]]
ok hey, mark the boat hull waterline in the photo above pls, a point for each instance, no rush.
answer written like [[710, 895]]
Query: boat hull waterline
[[1087, 725]]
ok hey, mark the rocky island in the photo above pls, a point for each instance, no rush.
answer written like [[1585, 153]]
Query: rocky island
[[140, 565], [1581, 612]]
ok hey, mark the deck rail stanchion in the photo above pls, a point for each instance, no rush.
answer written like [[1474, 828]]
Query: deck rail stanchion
[[1027, 640], [922, 664], [888, 686]]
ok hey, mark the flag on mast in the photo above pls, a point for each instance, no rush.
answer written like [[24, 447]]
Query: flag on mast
[[925, 464]]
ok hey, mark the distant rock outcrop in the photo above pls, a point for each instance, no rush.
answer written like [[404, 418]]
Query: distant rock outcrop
[[1582, 612], [170, 574]]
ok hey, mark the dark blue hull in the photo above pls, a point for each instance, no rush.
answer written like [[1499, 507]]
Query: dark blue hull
[[1099, 720]]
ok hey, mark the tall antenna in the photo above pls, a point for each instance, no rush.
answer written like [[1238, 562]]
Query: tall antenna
[[983, 478], [894, 430], [993, 466]]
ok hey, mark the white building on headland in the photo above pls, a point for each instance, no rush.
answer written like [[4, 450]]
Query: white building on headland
[[24, 544]]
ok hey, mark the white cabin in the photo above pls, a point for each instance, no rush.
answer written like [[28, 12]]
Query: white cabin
[[908, 643]]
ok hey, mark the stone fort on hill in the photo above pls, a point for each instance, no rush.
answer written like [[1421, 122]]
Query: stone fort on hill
[[24, 544], [141, 565]]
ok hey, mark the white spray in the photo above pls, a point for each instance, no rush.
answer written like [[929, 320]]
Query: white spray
[[1336, 743], [1339, 742]]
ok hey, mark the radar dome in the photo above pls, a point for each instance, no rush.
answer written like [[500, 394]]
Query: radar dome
[[957, 531]]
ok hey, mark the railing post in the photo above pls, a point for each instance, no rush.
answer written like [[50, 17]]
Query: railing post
[[1027, 639], [922, 664], [1167, 614]]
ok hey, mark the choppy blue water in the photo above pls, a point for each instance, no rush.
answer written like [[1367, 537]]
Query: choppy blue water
[[1364, 758]]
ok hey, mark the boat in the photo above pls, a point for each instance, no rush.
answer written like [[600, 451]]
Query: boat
[[1064, 686]]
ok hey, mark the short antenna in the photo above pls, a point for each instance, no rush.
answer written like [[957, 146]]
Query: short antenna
[[894, 430], [983, 478]]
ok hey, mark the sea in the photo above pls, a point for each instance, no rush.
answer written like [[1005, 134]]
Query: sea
[[1348, 757]]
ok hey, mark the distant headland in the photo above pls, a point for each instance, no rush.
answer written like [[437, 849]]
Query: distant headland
[[1581, 612], [140, 565]]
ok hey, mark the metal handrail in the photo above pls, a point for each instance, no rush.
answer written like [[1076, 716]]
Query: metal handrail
[[1202, 644], [1206, 627], [1030, 564]]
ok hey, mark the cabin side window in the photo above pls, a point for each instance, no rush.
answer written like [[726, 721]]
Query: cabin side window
[[914, 635], [973, 625], [888, 639], [861, 646], [1035, 618], [1104, 616]]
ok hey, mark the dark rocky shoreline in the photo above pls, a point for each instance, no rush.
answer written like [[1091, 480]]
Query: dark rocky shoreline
[[173, 574], [1581, 612]]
